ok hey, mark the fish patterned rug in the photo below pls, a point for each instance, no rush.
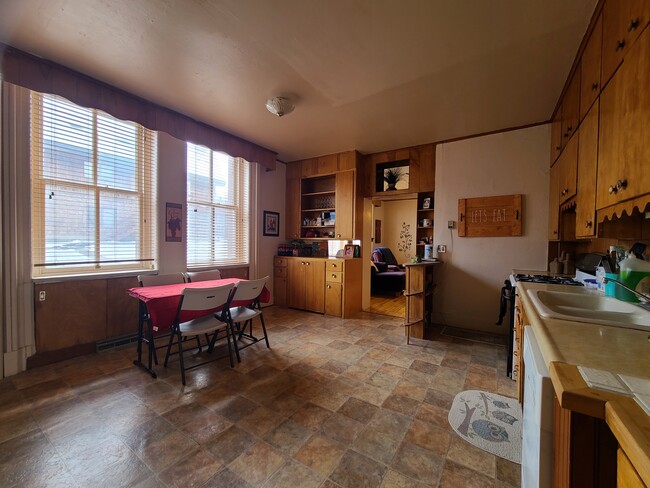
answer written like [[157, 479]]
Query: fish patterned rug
[[489, 421]]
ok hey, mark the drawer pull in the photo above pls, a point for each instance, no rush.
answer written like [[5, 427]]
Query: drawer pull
[[594, 86], [634, 23], [333, 275], [329, 286], [620, 185], [620, 45], [588, 224]]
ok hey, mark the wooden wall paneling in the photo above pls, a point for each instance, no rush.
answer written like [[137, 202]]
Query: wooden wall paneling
[[347, 160], [427, 179], [415, 171], [73, 313], [327, 164], [292, 219], [590, 67], [294, 170], [309, 167], [344, 204], [121, 309]]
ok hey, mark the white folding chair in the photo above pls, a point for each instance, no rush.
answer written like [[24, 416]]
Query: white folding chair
[[248, 291], [205, 301], [144, 317], [193, 276]]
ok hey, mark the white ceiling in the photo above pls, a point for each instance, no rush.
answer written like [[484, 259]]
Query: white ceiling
[[370, 75]]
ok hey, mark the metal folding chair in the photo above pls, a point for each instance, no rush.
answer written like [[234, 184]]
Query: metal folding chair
[[248, 291]]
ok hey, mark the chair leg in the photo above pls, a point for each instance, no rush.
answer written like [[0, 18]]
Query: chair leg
[[266, 337], [180, 357], [228, 334], [198, 343], [169, 347]]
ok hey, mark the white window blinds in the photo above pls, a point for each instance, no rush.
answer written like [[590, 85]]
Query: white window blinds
[[217, 208], [93, 195]]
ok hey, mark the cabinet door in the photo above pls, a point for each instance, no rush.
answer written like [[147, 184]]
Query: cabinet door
[[568, 163], [296, 283], [590, 69], [344, 205], [327, 164], [623, 149], [571, 108], [315, 285], [554, 204], [623, 22], [556, 136], [587, 168], [333, 299], [292, 209], [626, 475], [280, 290]]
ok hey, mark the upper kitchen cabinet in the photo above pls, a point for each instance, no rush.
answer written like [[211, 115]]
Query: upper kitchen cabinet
[[623, 22], [321, 165], [417, 161], [556, 135], [571, 108], [587, 168], [568, 170], [344, 203], [590, 69], [623, 148], [554, 204]]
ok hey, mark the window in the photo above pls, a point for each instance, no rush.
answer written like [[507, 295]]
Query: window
[[92, 190], [217, 208]]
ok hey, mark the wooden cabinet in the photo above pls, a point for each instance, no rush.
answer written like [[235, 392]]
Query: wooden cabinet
[[321, 165], [280, 274], [623, 148], [568, 170], [590, 69], [292, 209], [344, 204], [419, 298], [343, 287], [556, 135], [571, 109], [424, 234], [623, 22], [518, 350], [554, 204], [317, 207], [587, 168], [626, 475], [306, 284]]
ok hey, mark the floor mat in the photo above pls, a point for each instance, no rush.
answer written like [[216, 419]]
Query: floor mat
[[489, 421]]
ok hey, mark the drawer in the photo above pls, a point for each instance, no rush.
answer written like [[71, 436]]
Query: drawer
[[333, 276], [280, 261], [334, 266], [280, 272]]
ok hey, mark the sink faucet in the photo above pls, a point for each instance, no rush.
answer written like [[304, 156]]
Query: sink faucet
[[642, 296]]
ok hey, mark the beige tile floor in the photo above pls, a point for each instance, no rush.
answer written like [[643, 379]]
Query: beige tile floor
[[333, 403]]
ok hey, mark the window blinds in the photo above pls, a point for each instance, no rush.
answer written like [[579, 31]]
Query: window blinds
[[217, 208], [93, 195]]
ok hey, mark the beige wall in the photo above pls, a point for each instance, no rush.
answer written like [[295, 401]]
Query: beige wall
[[396, 213], [469, 282]]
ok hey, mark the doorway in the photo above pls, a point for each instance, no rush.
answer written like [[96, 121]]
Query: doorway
[[393, 228]]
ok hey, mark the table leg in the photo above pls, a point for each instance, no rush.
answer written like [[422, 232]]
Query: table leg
[[138, 361]]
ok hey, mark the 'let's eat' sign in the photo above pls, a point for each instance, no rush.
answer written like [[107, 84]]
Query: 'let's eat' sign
[[490, 216]]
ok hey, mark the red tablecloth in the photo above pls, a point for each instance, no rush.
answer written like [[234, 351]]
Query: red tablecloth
[[162, 301]]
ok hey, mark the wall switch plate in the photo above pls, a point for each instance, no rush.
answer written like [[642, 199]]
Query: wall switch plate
[[442, 248], [451, 224], [41, 296]]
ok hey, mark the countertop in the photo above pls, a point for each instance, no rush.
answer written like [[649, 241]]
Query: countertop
[[565, 345]]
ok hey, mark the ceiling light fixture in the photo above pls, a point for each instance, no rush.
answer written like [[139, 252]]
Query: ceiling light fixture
[[279, 106]]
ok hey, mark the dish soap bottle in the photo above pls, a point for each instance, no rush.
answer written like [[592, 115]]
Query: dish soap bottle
[[635, 273]]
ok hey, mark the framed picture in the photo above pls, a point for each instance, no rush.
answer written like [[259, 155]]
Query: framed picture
[[174, 222], [271, 223], [377, 231], [426, 202], [349, 250]]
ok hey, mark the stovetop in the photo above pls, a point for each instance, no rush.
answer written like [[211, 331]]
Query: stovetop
[[551, 280]]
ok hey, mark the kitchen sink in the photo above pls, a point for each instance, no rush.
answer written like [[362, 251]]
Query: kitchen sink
[[590, 306]]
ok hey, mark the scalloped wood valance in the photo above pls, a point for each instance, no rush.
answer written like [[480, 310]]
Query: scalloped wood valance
[[642, 204]]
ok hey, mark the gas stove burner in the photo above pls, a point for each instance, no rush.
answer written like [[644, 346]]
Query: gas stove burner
[[551, 280]]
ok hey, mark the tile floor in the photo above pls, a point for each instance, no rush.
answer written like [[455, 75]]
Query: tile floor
[[334, 403]]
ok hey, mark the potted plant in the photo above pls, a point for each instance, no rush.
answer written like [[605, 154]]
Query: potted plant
[[392, 176]]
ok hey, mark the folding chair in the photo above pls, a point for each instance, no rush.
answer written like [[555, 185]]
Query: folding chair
[[194, 276], [203, 302], [148, 338], [248, 291]]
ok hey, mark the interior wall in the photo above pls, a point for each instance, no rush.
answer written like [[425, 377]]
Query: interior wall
[[270, 197], [507, 163], [378, 214], [397, 214]]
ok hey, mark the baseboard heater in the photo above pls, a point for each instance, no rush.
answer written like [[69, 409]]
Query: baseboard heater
[[116, 342]]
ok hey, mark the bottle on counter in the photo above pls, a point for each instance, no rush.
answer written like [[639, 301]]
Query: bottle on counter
[[555, 266], [634, 273]]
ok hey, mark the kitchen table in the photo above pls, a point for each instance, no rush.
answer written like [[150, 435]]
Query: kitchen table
[[158, 307]]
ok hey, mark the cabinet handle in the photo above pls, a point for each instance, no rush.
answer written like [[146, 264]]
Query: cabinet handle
[[557, 148], [594, 86], [307, 264], [588, 224], [333, 275], [329, 286], [634, 23], [620, 185], [554, 232], [338, 235], [620, 44]]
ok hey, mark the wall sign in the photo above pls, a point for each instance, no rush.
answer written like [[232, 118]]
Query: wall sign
[[490, 216]]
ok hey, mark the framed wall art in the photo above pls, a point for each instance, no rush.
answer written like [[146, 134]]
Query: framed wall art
[[271, 224], [174, 222]]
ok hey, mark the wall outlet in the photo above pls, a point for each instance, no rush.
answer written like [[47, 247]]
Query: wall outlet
[[41, 296], [451, 224], [442, 248]]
